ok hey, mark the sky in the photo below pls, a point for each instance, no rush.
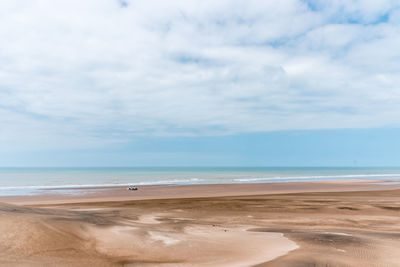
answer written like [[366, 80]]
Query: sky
[[199, 83]]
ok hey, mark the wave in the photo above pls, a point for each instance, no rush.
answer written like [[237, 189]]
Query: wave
[[317, 177], [44, 187], [209, 180]]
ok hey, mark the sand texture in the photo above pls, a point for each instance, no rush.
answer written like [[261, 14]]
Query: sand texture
[[360, 228]]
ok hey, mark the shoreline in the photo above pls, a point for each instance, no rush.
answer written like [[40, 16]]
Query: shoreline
[[146, 192]]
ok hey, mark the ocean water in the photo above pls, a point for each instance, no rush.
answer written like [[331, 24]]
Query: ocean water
[[22, 181]]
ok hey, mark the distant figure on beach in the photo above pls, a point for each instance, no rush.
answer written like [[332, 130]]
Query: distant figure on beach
[[132, 187]]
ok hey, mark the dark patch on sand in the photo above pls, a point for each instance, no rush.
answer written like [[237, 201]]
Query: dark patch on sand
[[347, 208], [389, 208]]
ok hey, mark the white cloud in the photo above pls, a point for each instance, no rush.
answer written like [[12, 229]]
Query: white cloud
[[74, 72]]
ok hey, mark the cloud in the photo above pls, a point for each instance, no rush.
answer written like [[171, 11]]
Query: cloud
[[76, 73]]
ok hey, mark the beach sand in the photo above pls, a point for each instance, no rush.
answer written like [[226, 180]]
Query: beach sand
[[347, 223]]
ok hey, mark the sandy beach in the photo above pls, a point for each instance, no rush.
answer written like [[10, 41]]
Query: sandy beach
[[342, 223]]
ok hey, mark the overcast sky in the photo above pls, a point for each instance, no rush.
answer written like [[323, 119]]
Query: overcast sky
[[104, 73]]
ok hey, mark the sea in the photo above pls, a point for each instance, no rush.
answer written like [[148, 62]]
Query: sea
[[28, 181]]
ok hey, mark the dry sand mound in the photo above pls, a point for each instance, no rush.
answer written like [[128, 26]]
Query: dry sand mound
[[41, 236], [33, 236]]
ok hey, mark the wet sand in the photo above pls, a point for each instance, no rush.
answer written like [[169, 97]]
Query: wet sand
[[288, 224]]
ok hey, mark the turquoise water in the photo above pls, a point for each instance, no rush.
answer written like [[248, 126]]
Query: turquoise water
[[16, 181]]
